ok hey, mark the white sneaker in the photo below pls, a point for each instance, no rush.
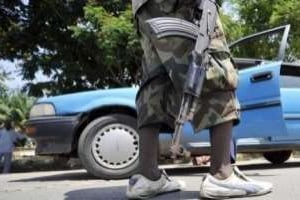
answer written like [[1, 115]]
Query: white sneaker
[[142, 188], [267, 187], [237, 185]]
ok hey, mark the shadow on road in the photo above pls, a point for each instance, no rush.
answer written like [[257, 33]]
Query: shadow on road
[[270, 166], [118, 193], [260, 166], [80, 175], [186, 171]]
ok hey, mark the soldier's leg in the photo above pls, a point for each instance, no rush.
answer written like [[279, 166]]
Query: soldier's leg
[[148, 154], [150, 181], [224, 180], [220, 137]]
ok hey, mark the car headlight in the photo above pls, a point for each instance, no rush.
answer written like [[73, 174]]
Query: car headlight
[[42, 109]]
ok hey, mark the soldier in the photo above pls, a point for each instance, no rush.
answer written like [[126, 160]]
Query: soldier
[[164, 66]]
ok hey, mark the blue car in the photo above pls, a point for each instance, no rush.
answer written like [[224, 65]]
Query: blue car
[[99, 126]]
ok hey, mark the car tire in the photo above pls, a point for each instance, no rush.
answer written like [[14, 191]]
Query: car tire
[[108, 147], [277, 157]]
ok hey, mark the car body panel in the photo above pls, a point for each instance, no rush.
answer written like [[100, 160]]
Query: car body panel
[[264, 104], [255, 98], [260, 102], [290, 102], [291, 107], [55, 134], [85, 101]]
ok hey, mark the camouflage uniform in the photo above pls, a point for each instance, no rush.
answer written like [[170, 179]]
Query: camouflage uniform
[[165, 64]]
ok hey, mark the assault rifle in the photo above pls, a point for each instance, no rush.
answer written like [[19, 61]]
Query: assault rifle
[[202, 30]]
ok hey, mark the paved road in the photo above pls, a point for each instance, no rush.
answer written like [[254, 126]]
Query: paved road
[[77, 184]]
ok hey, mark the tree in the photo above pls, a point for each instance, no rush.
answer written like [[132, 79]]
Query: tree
[[289, 14], [255, 16], [85, 45], [15, 106], [41, 40], [3, 94], [80, 47], [260, 15], [3, 88], [232, 28], [114, 46]]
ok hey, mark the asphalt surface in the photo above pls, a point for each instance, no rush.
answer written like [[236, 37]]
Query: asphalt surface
[[77, 184]]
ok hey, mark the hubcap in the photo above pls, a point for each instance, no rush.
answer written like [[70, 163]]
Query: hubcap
[[115, 146]]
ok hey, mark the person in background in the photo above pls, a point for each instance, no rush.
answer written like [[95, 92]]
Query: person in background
[[8, 139]]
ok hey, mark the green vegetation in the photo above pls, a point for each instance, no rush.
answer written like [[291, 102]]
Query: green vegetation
[[14, 105], [263, 14]]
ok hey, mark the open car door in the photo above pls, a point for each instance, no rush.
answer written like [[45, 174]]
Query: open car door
[[259, 59]]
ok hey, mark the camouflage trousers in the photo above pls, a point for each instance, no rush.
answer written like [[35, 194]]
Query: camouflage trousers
[[165, 64]]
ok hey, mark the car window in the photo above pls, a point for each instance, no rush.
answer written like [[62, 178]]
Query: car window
[[293, 51], [269, 45], [265, 47]]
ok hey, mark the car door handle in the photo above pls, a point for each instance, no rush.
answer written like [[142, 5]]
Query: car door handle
[[263, 76]]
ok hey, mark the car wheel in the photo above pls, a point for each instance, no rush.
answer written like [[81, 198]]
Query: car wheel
[[108, 147], [277, 157]]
